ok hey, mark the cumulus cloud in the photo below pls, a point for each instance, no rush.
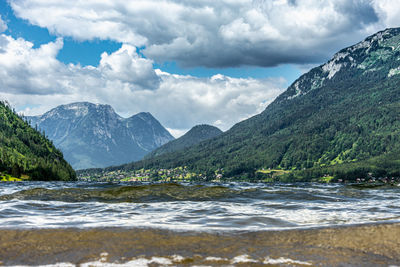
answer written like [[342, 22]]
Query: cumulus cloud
[[28, 70], [388, 12], [125, 65], [219, 100], [34, 81], [218, 33]]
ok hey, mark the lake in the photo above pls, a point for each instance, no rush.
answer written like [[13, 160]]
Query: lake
[[143, 224]]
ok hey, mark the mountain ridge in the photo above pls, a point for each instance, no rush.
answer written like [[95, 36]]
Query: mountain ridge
[[343, 59], [94, 135], [345, 111], [197, 134]]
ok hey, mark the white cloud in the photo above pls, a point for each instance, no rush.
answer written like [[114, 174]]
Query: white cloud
[[219, 100], [177, 132], [28, 70], [3, 25], [388, 12], [125, 65], [34, 81], [218, 33]]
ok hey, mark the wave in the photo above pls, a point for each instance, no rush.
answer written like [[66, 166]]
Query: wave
[[208, 207], [133, 193], [116, 193]]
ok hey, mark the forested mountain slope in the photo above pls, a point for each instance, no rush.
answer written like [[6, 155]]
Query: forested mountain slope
[[27, 153], [197, 134], [344, 112]]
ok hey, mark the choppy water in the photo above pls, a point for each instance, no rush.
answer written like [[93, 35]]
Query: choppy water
[[199, 224], [194, 207]]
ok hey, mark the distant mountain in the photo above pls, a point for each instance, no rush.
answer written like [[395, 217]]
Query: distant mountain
[[27, 153], [196, 135], [93, 135], [331, 120]]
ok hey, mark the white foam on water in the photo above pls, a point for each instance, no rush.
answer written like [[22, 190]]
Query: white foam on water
[[161, 260], [242, 259], [177, 258], [137, 262], [216, 259], [61, 264], [282, 260]]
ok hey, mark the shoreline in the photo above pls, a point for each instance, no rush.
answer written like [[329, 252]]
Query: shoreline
[[372, 244]]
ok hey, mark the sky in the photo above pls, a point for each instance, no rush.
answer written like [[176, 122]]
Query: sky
[[186, 62]]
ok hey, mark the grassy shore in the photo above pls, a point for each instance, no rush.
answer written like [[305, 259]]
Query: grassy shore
[[9, 178]]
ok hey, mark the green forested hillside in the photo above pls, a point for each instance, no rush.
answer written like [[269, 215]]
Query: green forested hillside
[[197, 134], [341, 118], [26, 153]]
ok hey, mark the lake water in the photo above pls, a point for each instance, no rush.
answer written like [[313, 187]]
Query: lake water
[[231, 224]]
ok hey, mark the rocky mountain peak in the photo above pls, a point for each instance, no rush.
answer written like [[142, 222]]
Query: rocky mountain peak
[[94, 135], [144, 116], [377, 55], [77, 109]]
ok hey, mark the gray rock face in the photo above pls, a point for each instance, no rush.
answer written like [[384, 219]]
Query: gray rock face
[[94, 136], [376, 56]]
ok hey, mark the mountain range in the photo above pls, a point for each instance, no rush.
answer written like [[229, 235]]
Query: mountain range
[[341, 118], [94, 135]]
